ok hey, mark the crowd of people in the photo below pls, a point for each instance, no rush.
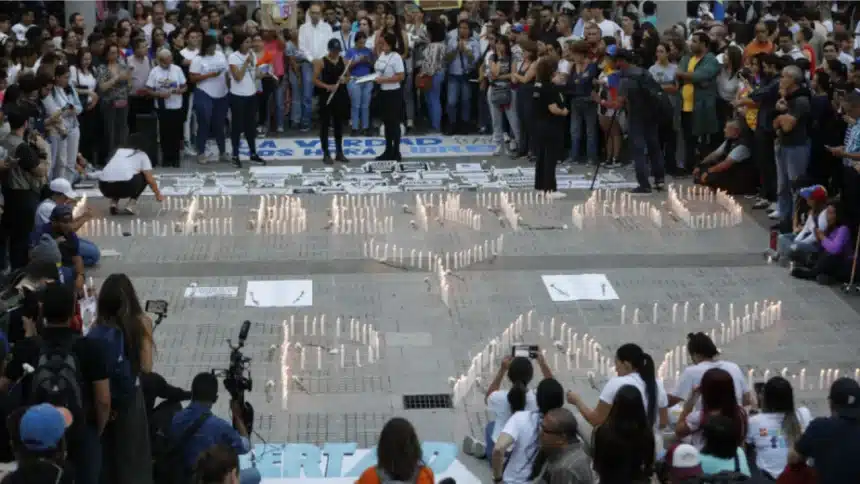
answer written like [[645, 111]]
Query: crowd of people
[[760, 100]]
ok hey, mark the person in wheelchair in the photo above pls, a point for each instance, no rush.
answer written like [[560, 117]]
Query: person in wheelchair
[[801, 245]]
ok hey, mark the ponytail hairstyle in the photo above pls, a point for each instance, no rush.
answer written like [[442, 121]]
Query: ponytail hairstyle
[[643, 364], [520, 373], [778, 397]]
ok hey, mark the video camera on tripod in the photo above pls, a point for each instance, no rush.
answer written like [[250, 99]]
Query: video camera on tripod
[[237, 378]]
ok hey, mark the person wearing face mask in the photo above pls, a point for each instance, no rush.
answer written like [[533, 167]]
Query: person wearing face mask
[[166, 84]]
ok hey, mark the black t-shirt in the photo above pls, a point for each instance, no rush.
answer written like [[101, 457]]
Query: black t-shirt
[[91, 356], [834, 444], [545, 95]]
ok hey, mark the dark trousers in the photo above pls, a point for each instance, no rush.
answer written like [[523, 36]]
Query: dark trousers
[[18, 220], [89, 145], [691, 142], [764, 159], [124, 189], [738, 179], [524, 113], [646, 151], [332, 115], [269, 85], [244, 117], [211, 120], [834, 267], [669, 145], [137, 105], [170, 134], [392, 107], [851, 195], [546, 133], [85, 454]]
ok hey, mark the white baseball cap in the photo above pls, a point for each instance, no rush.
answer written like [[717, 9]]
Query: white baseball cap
[[63, 187], [685, 463]]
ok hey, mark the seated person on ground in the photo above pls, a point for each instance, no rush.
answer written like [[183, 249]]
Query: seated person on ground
[[127, 175], [60, 229], [834, 263], [802, 240], [61, 193], [729, 167]]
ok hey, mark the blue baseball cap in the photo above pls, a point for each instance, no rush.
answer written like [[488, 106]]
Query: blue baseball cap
[[43, 426]]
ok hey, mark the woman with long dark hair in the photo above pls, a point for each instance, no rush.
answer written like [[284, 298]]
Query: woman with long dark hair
[[243, 101], [391, 72], [704, 355], [834, 263], [550, 112], [623, 445], [500, 96], [718, 398], [520, 436], [524, 82], [120, 319], [634, 367], [64, 100], [83, 79], [398, 456], [778, 426], [721, 451], [208, 73]]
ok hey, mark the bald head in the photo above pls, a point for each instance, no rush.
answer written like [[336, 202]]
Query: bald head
[[563, 423]]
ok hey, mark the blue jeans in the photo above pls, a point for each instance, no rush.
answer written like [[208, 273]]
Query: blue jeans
[[89, 252], [359, 98], [485, 120], [296, 104], [211, 119], [85, 454], [250, 475], [278, 96], [433, 98], [459, 96], [307, 93], [791, 164], [785, 241], [645, 148], [583, 113], [488, 437]]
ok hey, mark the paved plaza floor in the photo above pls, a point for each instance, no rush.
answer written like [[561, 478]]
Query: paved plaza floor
[[370, 333]]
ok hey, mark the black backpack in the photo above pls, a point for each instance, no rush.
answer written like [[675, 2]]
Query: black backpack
[[168, 452], [57, 377], [654, 98]]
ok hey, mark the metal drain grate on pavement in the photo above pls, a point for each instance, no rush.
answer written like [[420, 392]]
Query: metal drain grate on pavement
[[426, 402]]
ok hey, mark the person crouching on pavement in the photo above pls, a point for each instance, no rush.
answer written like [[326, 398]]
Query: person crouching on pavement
[[61, 193]]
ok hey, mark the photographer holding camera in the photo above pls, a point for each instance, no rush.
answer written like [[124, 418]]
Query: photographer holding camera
[[195, 429]]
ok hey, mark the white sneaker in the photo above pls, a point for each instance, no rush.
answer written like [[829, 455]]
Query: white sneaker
[[556, 195], [775, 215], [469, 444], [499, 150], [189, 150], [771, 207]]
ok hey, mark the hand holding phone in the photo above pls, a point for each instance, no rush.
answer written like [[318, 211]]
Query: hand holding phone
[[525, 351]]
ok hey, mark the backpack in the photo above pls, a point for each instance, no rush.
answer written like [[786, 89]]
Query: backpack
[[122, 380], [57, 377], [168, 455], [653, 97], [727, 477]]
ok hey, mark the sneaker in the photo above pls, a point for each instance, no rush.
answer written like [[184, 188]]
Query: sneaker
[[499, 150], [327, 159], [612, 163], [771, 207], [304, 129], [256, 159], [202, 159], [261, 130], [760, 204], [130, 207], [410, 124], [280, 130], [556, 195], [659, 186], [114, 210], [775, 215], [640, 191], [341, 158], [189, 151], [223, 158], [236, 162], [469, 444]]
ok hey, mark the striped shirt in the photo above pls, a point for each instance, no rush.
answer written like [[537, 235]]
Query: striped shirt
[[571, 466]]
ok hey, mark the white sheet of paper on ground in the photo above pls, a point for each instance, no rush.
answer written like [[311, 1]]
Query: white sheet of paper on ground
[[196, 292], [109, 253], [275, 170], [579, 287], [469, 167], [368, 78], [279, 294]]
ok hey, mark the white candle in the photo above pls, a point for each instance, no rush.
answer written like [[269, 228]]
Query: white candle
[[319, 358], [302, 358]]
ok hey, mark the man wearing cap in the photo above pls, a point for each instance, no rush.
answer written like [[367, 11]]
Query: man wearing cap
[[41, 446], [566, 460], [684, 463], [641, 128], [60, 229], [803, 239], [62, 194], [834, 442]]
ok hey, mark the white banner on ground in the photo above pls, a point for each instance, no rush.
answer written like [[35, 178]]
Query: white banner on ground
[[411, 147]]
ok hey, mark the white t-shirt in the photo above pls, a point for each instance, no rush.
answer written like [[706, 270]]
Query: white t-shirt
[[765, 433], [523, 429], [81, 79], [20, 31], [692, 377], [615, 383], [189, 54], [608, 28], [163, 80], [215, 87], [500, 409], [388, 65], [563, 67], [43, 211], [124, 165], [247, 86]]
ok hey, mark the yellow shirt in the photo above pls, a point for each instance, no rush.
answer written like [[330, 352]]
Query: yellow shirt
[[687, 89]]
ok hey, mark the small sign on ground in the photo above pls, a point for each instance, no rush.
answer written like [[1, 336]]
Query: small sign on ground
[[579, 287], [196, 292], [279, 294]]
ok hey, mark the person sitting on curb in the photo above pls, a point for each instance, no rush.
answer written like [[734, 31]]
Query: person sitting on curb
[[62, 194], [729, 167], [802, 240]]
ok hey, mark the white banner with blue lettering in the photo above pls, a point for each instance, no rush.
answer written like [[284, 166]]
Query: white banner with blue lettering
[[367, 148], [343, 463]]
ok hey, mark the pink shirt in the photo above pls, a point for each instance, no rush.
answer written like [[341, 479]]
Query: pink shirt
[[277, 50]]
